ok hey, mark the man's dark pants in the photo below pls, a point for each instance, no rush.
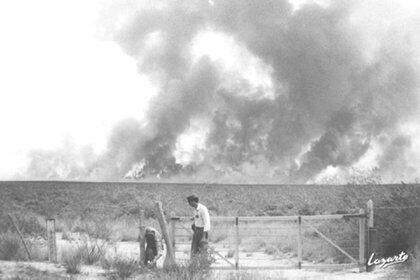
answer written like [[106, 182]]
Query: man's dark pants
[[151, 253], [199, 241]]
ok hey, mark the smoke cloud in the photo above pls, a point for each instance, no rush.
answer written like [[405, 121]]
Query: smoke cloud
[[331, 98]]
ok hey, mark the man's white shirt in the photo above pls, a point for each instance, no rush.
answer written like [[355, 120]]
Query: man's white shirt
[[202, 217]]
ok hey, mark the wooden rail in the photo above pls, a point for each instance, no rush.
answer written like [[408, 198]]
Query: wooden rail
[[276, 218]]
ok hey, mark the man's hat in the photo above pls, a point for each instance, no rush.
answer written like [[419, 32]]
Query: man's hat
[[192, 198]]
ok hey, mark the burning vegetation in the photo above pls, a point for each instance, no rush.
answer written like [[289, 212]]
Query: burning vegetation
[[305, 94]]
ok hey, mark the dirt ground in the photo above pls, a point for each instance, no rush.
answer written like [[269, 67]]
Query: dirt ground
[[47, 271], [130, 249]]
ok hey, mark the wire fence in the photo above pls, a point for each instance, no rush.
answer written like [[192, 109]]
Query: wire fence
[[276, 242]]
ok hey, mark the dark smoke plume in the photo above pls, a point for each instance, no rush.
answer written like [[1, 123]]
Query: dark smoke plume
[[330, 103]]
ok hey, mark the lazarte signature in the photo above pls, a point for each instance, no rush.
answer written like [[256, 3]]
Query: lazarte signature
[[384, 262]]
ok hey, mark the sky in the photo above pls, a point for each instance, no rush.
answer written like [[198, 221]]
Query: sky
[[61, 79], [64, 79]]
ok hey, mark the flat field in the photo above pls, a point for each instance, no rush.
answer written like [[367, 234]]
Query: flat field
[[101, 218], [56, 198]]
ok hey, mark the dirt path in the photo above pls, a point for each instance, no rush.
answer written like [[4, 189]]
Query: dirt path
[[46, 271]]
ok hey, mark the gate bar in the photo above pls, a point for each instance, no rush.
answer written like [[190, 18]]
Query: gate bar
[[332, 243]]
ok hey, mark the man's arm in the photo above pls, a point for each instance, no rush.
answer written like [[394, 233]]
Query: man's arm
[[206, 219]]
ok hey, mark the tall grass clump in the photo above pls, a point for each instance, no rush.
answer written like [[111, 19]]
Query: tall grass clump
[[120, 268], [123, 268], [72, 261], [196, 269], [92, 250]]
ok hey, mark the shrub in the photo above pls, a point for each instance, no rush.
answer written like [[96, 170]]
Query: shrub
[[92, 251], [106, 262], [95, 228], [72, 261], [400, 226], [65, 235], [10, 247], [100, 230], [196, 269], [307, 210], [39, 251], [27, 224], [271, 250], [123, 268]]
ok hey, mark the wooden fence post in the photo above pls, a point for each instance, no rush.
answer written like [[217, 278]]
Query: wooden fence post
[[237, 243], [299, 242], [173, 230], [362, 232], [142, 241], [372, 233], [51, 241], [170, 255], [20, 236]]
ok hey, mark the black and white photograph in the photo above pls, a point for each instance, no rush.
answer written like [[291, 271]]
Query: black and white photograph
[[209, 139]]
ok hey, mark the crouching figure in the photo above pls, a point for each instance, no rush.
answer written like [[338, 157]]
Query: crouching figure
[[154, 247]]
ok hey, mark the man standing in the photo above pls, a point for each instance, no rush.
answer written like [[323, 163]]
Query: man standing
[[201, 226], [154, 247]]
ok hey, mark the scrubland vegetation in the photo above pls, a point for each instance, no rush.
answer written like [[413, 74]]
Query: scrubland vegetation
[[93, 217]]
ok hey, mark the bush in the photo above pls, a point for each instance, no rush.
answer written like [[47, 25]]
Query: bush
[[96, 228], [39, 251], [106, 262], [10, 247], [307, 210], [122, 268], [271, 250], [31, 225], [27, 224], [400, 226], [65, 235], [92, 251], [72, 261], [196, 269]]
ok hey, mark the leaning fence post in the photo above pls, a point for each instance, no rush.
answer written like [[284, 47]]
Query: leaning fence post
[[51, 241], [170, 256], [237, 243], [173, 230], [372, 233], [20, 235], [299, 242], [362, 232], [142, 241]]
